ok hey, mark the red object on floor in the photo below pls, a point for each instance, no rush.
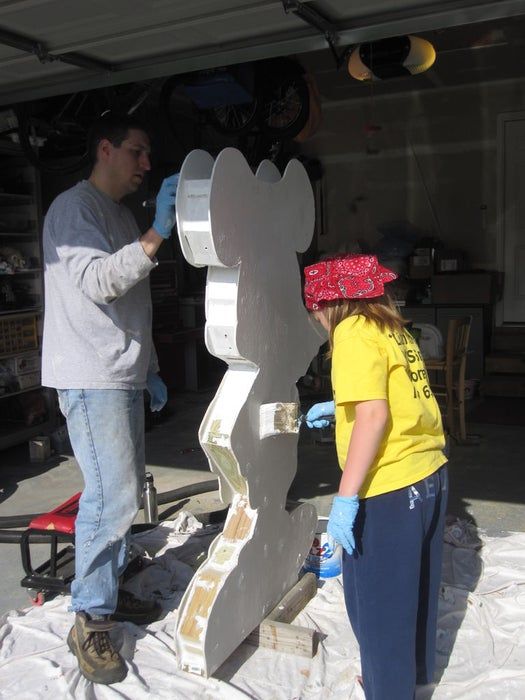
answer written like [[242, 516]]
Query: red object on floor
[[61, 519]]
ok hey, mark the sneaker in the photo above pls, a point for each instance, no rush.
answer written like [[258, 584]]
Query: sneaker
[[90, 642], [132, 609]]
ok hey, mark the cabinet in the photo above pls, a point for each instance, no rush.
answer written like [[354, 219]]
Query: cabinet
[[24, 410], [439, 315]]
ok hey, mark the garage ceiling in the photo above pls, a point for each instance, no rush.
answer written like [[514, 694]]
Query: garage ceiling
[[50, 47]]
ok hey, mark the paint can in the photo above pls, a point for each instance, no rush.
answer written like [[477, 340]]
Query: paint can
[[325, 556]]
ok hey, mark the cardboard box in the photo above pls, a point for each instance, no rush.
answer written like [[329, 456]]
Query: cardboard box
[[27, 381], [463, 288], [18, 333], [449, 261], [22, 364], [420, 264]]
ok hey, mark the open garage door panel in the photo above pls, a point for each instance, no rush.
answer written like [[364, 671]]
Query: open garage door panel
[[50, 47]]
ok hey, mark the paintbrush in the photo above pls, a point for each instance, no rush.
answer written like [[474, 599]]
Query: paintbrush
[[279, 419]]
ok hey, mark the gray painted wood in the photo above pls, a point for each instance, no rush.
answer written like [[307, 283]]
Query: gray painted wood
[[248, 230]]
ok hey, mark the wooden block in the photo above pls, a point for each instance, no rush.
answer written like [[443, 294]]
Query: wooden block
[[295, 600], [275, 633], [281, 636]]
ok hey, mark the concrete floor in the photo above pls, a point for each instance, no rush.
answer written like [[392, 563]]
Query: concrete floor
[[485, 479]]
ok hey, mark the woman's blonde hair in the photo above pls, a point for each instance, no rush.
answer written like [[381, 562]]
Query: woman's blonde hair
[[379, 310]]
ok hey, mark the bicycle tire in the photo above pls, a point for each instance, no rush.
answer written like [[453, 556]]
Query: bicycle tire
[[24, 136], [235, 119], [286, 107]]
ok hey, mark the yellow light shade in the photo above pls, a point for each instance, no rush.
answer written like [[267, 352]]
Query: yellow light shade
[[391, 58]]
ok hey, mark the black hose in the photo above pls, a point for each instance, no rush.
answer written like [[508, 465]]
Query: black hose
[[14, 537], [187, 491], [13, 521], [18, 521]]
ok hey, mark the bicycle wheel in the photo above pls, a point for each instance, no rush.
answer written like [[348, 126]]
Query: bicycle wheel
[[235, 119], [286, 107], [131, 99], [53, 133]]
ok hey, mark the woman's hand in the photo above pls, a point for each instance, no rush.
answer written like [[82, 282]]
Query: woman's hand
[[321, 415]]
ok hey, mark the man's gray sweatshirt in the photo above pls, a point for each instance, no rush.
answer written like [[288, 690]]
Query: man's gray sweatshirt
[[97, 322]]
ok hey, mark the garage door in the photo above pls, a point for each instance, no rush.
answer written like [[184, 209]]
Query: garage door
[[50, 47]]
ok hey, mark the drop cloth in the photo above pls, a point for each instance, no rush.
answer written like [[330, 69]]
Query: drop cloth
[[481, 636]]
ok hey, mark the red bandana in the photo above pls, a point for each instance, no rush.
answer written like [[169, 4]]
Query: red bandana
[[345, 277]]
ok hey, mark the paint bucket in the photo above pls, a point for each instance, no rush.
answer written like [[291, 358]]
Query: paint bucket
[[325, 556]]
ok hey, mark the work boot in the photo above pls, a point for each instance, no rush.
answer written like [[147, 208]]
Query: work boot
[[132, 609], [90, 642]]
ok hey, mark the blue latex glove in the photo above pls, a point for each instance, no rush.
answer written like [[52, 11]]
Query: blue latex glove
[[157, 390], [341, 521], [165, 206], [320, 415]]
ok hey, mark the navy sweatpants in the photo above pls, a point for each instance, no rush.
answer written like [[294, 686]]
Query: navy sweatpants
[[391, 585]]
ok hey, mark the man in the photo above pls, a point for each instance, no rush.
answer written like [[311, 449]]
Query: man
[[98, 354]]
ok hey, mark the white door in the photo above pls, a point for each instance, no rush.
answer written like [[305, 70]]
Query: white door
[[513, 219]]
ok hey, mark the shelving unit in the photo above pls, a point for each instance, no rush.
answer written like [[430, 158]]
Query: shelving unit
[[24, 405]]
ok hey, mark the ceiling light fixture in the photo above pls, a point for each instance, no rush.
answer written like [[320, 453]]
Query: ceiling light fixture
[[391, 58]]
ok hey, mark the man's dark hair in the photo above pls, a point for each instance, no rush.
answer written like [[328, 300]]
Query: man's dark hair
[[114, 128]]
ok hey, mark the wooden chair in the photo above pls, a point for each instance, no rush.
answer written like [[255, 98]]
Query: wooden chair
[[452, 368]]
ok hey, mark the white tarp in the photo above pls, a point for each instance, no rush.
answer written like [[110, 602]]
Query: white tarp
[[481, 638]]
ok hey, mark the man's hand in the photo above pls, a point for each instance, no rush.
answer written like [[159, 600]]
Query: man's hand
[[165, 207], [341, 521], [320, 415], [157, 390]]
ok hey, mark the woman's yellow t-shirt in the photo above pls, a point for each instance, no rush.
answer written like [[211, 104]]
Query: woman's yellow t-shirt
[[368, 364]]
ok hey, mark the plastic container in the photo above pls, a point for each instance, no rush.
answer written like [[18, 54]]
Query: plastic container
[[325, 557]]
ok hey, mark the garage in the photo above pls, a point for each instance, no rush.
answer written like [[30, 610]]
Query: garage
[[408, 118]]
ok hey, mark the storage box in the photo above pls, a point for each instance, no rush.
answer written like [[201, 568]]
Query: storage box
[[463, 288], [26, 381], [22, 364], [18, 333], [420, 264], [449, 261]]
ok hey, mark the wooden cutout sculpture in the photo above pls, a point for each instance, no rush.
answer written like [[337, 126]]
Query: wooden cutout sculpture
[[248, 230]]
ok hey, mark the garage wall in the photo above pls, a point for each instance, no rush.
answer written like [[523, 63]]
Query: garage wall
[[444, 140]]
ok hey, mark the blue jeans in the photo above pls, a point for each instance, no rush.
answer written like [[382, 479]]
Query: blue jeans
[[391, 585], [106, 429]]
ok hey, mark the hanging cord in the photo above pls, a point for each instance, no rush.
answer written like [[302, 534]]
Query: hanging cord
[[427, 193], [371, 128]]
